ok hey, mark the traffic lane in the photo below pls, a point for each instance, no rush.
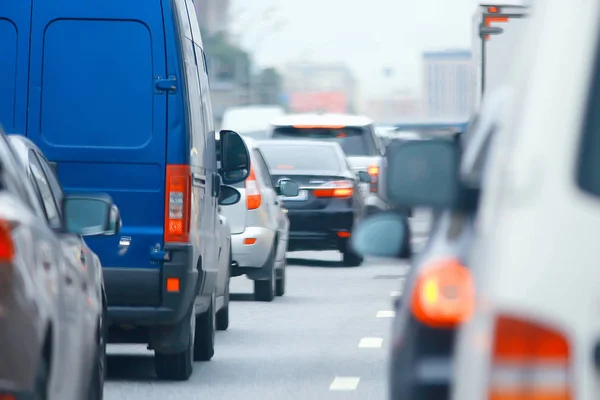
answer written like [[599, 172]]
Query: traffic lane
[[292, 348]]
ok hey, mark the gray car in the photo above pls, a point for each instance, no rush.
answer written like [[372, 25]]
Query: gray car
[[259, 228], [52, 308]]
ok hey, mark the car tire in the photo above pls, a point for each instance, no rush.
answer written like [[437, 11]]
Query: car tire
[[223, 313], [351, 259], [41, 380], [204, 345], [96, 387], [179, 366], [264, 290], [280, 283]]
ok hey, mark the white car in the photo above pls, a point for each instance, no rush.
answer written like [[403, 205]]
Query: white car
[[259, 228], [535, 330], [222, 298]]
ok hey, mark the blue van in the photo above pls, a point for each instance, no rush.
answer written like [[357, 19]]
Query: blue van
[[116, 94]]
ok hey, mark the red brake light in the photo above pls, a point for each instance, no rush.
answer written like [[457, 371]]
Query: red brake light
[[530, 361], [444, 294], [337, 189], [253, 196], [177, 203], [373, 170], [7, 249]]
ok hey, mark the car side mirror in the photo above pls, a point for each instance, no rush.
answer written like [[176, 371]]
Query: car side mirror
[[364, 177], [229, 196], [288, 188], [380, 235], [88, 215], [234, 157], [422, 173], [115, 221]]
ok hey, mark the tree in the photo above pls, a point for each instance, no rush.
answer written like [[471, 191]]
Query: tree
[[227, 62], [270, 84]]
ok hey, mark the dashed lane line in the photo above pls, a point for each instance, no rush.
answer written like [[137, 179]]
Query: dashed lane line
[[344, 383], [395, 293], [370, 343], [385, 314]]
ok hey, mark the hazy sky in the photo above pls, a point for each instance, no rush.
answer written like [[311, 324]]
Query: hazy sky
[[367, 35]]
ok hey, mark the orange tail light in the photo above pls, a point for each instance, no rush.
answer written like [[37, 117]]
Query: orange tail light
[[529, 362], [337, 189], [253, 196], [178, 203], [444, 295], [374, 172]]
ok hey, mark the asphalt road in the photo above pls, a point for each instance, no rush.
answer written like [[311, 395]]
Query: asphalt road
[[327, 338]]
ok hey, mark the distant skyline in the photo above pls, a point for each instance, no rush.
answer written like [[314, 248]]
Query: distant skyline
[[369, 37]]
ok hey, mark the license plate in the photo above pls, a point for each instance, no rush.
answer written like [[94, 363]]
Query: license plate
[[303, 195]]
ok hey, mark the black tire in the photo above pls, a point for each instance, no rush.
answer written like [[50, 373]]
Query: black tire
[[407, 250], [204, 345], [178, 367], [280, 283], [223, 313], [265, 290], [96, 387], [41, 380], [351, 259]]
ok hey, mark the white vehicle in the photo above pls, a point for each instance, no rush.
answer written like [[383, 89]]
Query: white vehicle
[[497, 28], [535, 330], [251, 121]]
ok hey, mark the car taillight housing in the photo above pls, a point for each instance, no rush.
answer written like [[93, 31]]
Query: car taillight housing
[[444, 294], [373, 171], [335, 189], [529, 361], [177, 204], [253, 196]]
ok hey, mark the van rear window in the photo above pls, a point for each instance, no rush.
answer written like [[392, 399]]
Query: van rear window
[[355, 141], [97, 84]]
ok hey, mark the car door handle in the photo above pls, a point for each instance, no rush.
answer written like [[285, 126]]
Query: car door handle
[[198, 179], [68, 280]]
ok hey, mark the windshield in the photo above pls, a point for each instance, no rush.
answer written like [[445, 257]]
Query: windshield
[[303, 158], [354, 141]]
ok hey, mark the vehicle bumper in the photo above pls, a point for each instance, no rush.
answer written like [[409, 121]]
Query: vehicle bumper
[[319, 230], [138, 296], [252, 255]]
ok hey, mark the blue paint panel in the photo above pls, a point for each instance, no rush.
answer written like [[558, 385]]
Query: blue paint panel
[[74, 84], [14, 64], [94, 110]]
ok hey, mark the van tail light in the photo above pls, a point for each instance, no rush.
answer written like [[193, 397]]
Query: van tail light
[[530, 361], [253, 196], [335, 189], [444, 294], [177, 204], [7, 248], [373, 171]]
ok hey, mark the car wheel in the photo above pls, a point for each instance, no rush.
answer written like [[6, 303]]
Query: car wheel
[[351, 259], [41, 380], [96, 388], [178, 367], [280, 283], [204, 346], [223, 313], [264, 290]]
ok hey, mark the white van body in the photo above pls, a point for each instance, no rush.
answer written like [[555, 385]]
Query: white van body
[[535, 261]]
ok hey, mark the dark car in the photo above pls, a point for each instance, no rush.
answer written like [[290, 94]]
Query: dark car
[[52, 304], [329, 204]]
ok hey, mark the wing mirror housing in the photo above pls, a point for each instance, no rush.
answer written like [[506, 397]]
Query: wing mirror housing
[[288, 188], [364, 177], [90, 215], [234, 157], [229, 196]]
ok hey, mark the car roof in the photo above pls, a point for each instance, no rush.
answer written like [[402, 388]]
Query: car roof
[[322, 119]]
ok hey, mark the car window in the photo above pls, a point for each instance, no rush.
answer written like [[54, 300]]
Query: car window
[[302, 158], [43, 186], [55, 186], [264, 169], [355, 141], [12, 174]]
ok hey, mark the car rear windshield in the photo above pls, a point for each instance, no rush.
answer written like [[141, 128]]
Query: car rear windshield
[[355, 141], [301, 158]]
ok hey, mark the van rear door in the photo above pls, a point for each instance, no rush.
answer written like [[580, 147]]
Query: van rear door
[[14, 47], [95, 109]]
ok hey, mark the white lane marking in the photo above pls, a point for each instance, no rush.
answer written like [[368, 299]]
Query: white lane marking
[[395, 293], [371, 343], [344, 383], [385, 314]]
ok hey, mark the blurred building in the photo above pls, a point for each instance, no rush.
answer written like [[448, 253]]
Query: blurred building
[[448, 91], [213, 15], [312, 87], [393, 108]]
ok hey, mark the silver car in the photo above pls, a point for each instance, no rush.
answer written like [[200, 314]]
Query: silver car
[[259, 228]]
